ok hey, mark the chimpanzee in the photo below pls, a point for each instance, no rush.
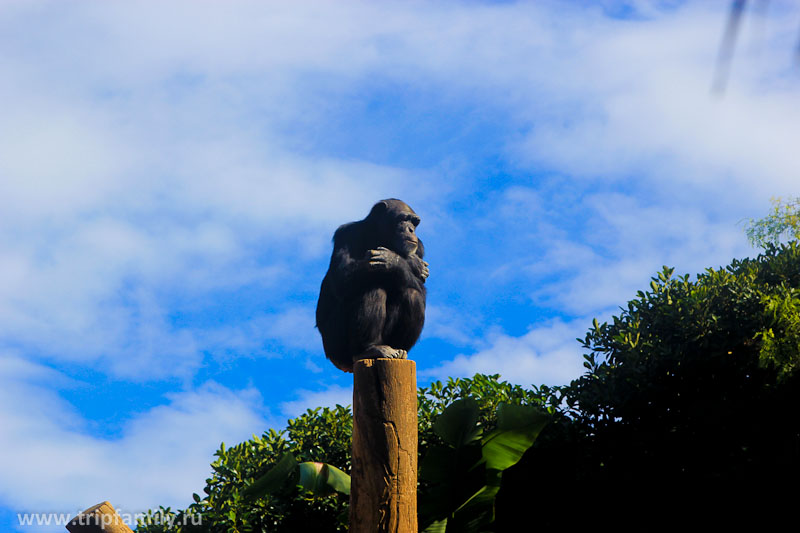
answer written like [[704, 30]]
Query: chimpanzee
[[372, 300]]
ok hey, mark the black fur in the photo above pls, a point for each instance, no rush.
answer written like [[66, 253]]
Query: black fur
[[371, 297]]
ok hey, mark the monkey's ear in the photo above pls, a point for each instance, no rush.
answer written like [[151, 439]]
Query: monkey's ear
[[379, 209]]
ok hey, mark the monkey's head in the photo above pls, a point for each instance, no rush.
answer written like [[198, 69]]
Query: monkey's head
[[396, 223]]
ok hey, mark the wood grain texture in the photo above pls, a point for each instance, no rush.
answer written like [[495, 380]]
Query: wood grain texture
[[101, 518], [383, 494]]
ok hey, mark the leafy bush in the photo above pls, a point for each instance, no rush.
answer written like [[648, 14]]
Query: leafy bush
[[461, 478], [689, 398], [487, 391], [783, 220], [319, 435]]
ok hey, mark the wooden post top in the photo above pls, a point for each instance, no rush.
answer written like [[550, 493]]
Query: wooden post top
[[100, 518]]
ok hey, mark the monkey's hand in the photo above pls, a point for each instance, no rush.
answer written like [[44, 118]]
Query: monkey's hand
[[382, 259], [419, 267]]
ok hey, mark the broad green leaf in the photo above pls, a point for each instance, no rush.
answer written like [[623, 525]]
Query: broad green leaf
[[517, 429], [440, 526], [515, 417], [323, 479], [275, 478], [476, 513], [457, 425], [484, 497]]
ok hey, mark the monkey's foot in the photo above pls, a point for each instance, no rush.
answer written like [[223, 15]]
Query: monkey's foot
[[400, 353], [383, 350]]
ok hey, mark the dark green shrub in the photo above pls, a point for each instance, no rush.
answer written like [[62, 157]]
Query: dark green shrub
[[321, 435], [688, 408]]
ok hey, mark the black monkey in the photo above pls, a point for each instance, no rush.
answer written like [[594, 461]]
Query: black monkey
[[372, 300]]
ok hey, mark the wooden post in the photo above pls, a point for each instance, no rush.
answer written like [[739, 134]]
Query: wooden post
[[101, 518], [383, 492]]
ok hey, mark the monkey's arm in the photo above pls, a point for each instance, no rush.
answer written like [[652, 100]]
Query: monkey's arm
[[419, 267], [411, 269]]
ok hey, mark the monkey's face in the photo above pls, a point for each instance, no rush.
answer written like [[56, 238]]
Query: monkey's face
[[405, 236], [397, 226]]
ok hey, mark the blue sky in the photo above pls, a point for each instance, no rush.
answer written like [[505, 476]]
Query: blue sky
[[171, 175]]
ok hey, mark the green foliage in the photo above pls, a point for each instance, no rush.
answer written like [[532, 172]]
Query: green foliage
[[725, 312], [258, 485], [780, 341], [281, 474], [240, 496], [487, 391], [690, 393], [456, 414], [783, 220], [461, 478], [322, 479], [313, 478], [517, 429]]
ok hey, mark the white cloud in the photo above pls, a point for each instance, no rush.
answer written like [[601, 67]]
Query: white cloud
[[626, 242], [269, 334], [180, 152], [133, 174], [52, 462], [635, 99], [450, 323], [547, 354], [308, 399]]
